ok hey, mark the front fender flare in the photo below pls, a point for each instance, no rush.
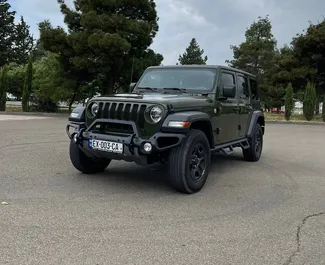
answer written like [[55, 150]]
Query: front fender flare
[[256, 116]]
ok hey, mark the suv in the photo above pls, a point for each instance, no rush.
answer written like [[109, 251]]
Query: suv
[[176, 115]]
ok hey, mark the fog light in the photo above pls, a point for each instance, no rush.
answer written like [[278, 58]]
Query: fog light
[[147, 147], [75, 138]]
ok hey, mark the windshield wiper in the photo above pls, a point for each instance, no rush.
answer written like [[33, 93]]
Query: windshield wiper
[[183, 90], [148, 88]]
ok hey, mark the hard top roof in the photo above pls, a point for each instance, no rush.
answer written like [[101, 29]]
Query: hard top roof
[[201, 66]]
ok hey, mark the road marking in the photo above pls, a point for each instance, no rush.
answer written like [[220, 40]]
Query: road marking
[[20, 118]]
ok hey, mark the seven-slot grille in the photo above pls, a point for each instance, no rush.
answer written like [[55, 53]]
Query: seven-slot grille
[[123, 111]]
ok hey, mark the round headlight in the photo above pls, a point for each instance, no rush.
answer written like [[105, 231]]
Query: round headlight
[[94, 109], [156, 114]]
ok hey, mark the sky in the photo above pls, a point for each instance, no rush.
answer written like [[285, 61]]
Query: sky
[[216, 24]]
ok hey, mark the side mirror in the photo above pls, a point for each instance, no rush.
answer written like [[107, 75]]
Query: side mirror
[[132, 85], [229, 91]]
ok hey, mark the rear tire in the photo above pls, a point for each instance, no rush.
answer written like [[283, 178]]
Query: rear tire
[[254, 152], [84, 163], [189, 163]]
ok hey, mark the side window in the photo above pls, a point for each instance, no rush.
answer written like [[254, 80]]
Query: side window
[[243, 88], [254, 89], [227, 79]]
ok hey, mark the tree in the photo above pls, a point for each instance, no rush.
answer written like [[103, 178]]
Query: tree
[[102, 37], [3, 87], [323, 108], [193, 54], [289, 103], [15, 81], [23, 44], [49, 85], [309, 49], [257, 55], [27, 90], [309, 101], [6, 29]]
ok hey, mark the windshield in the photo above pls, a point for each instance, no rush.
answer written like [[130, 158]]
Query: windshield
[[195, 79]]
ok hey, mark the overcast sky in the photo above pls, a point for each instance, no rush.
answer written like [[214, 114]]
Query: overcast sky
[[216, 24]]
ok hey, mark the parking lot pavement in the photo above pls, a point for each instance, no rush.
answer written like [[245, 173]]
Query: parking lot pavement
[[269, 212]]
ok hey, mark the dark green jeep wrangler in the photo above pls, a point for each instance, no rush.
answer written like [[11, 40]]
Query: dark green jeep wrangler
[[176, 115]]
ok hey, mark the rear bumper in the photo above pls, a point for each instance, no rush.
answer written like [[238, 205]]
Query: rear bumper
[[133, 145]]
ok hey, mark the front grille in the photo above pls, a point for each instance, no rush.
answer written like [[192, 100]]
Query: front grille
[[123, 111]]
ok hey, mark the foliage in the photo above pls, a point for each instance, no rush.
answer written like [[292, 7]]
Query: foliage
[[309, 48], [3, 87], [49, 86], [24, 42], [258, 55], [323, 108], [103, 36], [27, 90], [289, 102], [309, 102], [193, 54], [16, 77], [6, 29]]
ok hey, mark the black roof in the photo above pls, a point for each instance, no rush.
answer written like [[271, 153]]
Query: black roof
[[200, 66]]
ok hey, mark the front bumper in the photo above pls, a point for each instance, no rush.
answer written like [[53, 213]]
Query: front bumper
[[133, 145]]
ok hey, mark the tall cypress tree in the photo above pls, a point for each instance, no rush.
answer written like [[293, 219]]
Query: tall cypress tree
[[3, 87], [289, 104], [323, 109], [309, 102], [27, 85]]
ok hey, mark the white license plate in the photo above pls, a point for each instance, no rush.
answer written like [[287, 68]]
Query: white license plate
[[106, 146]]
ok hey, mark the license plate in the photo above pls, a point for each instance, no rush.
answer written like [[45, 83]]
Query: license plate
[[106, 146]]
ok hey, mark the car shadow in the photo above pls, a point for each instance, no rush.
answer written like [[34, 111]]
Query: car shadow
[[151, 178]]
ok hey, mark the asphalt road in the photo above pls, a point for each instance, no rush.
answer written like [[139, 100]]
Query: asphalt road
[[269, 212]]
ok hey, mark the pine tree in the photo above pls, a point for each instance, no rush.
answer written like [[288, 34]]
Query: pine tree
[[193, 54], [23, 43], [3, 87], [6, 29], [289, 103], [309, 102], [27, 85]]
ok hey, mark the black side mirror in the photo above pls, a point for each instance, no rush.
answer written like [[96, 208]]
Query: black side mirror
[[229, 91], [132, 85]]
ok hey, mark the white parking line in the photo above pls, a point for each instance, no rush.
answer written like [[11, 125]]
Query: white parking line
[[20, 118]]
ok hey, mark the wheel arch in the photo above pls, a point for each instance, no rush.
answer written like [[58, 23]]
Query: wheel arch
[[199, 120], [256, 117]]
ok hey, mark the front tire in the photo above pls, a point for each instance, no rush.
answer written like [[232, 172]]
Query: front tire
[[254, 152], [189, 163], [84, 163]]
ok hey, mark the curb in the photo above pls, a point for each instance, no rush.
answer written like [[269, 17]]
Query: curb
[[296, 122], [34, 114]]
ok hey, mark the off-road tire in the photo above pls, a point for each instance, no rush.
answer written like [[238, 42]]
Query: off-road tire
[[179, 162], [84, 163], [252, 153]]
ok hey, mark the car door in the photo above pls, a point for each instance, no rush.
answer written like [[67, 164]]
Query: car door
[[227, 109], [244, 103]]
